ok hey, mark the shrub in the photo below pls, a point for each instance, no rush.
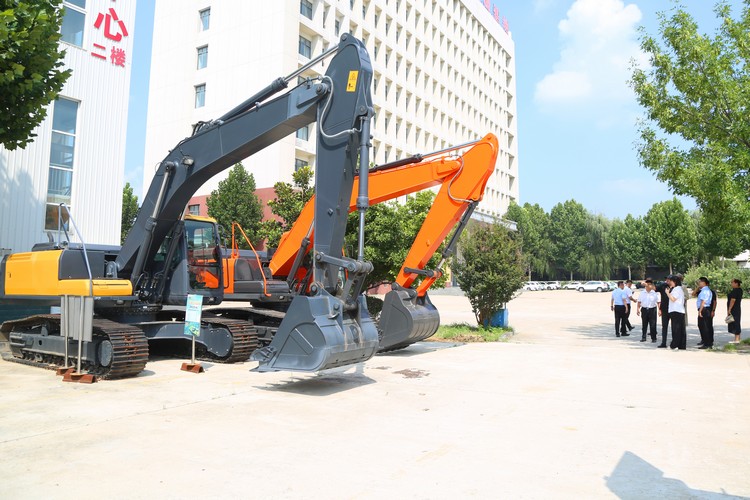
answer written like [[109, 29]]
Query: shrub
[[720, 277], [490, 269]]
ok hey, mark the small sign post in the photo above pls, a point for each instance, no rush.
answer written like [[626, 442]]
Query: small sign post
[[193, 328]]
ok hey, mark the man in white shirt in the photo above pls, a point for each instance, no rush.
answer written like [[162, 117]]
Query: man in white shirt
[[619, 305], [676, 298], [648, 305], [629, 298]]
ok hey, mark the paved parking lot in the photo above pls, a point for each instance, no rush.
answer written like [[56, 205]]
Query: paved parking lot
[[563, 410]]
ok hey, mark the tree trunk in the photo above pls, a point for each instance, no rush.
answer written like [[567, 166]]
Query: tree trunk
[[629, 276], [670, 268], [571, 275]]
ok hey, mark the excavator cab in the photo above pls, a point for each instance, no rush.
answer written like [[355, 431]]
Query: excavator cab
[[194, 259]]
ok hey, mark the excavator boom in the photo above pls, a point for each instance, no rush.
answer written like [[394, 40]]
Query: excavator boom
[[462, 174]]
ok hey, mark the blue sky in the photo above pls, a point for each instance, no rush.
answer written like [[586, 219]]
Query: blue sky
[[576, 114]]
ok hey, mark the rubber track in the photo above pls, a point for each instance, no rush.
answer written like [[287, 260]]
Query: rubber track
[[129, 348], [244, 339]]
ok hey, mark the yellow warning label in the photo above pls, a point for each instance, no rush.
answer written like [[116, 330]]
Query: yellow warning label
[[351, 85]]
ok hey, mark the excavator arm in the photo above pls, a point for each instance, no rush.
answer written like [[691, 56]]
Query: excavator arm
[[340, 103], [462, 173]]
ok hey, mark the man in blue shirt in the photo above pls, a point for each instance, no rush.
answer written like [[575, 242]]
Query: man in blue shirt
[[619, 305], [705, 314]]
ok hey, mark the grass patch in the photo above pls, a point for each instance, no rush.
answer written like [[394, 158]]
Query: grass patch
[[743, 346], [463, 332]]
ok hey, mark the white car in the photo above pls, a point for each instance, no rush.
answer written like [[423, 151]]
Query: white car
[[573, 285], [532, 285], [593, 286], [552, 285]]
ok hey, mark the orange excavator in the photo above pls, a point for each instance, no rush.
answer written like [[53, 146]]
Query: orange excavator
[[408, 315]]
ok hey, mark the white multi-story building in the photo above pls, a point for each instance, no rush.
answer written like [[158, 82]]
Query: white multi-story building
[[444, 74], [78, 155]]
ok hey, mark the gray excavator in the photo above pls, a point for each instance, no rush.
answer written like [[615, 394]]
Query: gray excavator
[[167, 256]]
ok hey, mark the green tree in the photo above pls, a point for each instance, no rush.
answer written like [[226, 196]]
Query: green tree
[[287, 205], [569, 233], [235, 201], [671, 238], [129, 211], [533, 225], [390, 230], [626, 243], [30, 59], [596, 261], [490, 269], [720, 277], [697, 139]]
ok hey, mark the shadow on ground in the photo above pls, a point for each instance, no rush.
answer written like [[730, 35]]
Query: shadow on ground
[[324, 384], [634, 478], [419, 348]]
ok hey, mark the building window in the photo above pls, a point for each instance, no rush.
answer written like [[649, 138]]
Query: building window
[[303, 133], [73, 22], [200, 95], [62, 151], [305, 47], [194, 209], [337, 26], [202, 57], [299, 163], [306, 8], [205, 16]]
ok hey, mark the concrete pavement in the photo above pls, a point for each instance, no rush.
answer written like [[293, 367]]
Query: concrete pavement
[[563, 410]]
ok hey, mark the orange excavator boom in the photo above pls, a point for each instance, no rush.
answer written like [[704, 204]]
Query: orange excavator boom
[[462, 173]]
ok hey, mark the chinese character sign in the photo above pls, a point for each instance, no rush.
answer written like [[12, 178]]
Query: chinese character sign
[[114, 30], [495, 11]]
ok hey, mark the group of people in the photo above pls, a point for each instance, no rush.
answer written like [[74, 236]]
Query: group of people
[[669, 302]]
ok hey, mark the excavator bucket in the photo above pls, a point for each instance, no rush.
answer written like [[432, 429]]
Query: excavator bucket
[[406, 318], [317, 334]]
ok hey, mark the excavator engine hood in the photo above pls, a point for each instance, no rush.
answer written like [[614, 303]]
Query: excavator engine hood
[[316, 334], [406, 318]]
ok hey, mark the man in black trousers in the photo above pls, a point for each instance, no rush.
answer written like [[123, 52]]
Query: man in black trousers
[[619, 305], [664, 313], [628, 288], [648, 303]]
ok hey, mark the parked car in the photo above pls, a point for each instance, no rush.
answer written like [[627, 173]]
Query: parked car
[[593, 286], [612, 285], [552, 285], [532, 285], [573, 285]]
